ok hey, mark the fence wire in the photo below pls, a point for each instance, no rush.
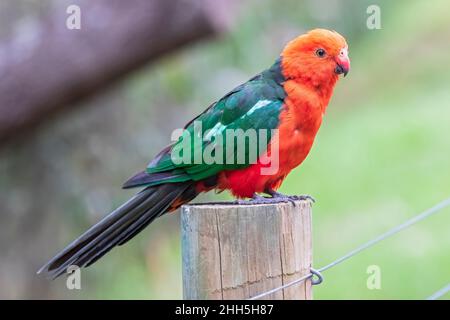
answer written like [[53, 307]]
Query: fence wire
[[425, 214], [439, 293]]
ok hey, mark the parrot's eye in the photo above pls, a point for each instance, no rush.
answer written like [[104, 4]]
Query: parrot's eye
[[320, 53]]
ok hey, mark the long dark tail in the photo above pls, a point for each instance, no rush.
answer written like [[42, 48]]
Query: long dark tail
[[120, 226]]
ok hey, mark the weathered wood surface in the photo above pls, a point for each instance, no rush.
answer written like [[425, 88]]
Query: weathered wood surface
[[238, 251]]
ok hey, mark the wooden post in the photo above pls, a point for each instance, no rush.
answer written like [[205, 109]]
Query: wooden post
[[238, 251]]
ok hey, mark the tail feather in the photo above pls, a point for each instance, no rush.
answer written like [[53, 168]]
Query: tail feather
[[144, 178], [187, 195], [129, 230], [117, 228]]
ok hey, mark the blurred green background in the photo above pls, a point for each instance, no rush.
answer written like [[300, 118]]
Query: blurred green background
[[382, 155]]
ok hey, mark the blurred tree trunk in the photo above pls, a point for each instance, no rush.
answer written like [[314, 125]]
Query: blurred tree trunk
[[45, 70], [50, 67]]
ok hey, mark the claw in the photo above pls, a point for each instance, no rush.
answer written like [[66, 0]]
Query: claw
[[304, 197], [277, 195], [256, 199]]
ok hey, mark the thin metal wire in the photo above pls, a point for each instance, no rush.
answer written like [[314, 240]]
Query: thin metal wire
[[439, 293], [425, 214], [319, 277]]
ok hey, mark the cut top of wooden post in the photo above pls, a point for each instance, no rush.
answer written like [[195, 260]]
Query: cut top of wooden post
[[235, 251]]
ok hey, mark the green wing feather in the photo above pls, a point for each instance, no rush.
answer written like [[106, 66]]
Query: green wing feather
[[255, 104]]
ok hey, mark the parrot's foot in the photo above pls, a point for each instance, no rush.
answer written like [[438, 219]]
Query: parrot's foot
[[277, 195], [276, 198], [256, 199]]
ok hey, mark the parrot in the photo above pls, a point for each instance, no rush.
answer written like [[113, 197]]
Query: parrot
[[288, 100]]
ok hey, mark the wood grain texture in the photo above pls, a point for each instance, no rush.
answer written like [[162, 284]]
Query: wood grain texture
[[238, 251]]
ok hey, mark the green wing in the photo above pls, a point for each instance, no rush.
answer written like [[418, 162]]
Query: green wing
[[255, 105]]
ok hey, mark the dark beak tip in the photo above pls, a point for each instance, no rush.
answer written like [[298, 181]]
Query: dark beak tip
[[341, 70]]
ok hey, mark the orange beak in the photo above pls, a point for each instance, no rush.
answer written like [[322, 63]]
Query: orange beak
[[342, 62]]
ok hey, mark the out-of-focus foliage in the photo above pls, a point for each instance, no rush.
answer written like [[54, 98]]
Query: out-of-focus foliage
[[382, 155]]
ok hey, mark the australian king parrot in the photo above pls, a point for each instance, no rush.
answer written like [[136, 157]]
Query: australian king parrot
[[286, 101]]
